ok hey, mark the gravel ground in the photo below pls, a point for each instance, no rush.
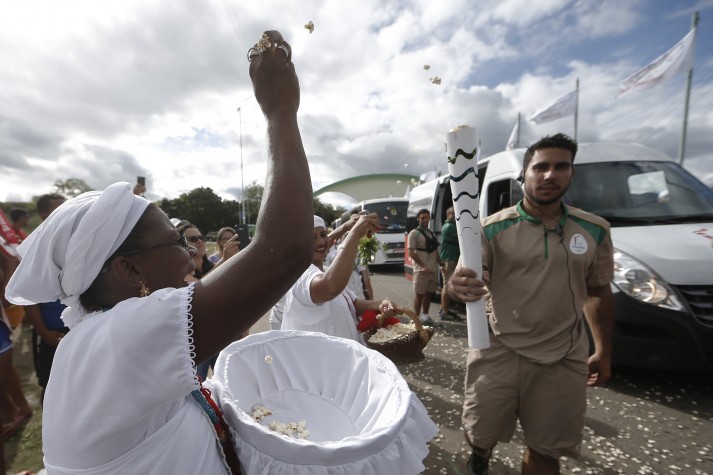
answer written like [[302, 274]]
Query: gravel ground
[[641, 422]]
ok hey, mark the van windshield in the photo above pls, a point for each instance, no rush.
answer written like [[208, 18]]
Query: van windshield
[[392, 215], [643, 192]]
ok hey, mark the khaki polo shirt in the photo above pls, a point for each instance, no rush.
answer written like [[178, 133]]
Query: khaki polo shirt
[[539, 279]]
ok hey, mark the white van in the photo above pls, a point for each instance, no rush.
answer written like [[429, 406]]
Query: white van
[[662, 229], [392, 225]]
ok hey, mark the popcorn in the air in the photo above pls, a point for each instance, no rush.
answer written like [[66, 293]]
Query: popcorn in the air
[[268, 359], [426, 67], [310, 26], [435, 80]]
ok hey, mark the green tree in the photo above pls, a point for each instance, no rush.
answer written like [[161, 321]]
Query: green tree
[[209, 212], [202, 207], [71, 187], [253, 200], [327, 211]]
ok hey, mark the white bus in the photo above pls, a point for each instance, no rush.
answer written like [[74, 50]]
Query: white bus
[[392, 226]]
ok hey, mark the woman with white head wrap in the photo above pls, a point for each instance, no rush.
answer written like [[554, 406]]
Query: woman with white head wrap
[[123, 397], [320, 300]]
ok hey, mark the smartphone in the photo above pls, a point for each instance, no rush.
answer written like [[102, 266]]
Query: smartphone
[[243, 235], [141, 180]]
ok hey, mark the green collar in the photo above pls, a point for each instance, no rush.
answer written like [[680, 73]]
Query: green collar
[[531, 219]]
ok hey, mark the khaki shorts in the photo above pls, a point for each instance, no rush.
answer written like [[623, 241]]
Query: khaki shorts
[[549, 400], [450, 267], [424, 282]]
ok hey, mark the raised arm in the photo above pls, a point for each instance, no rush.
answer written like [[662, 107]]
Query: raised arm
[[236, 294], [325, 287]]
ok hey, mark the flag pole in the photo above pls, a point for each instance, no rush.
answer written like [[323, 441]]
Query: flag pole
[[576, 109], [689, 80]]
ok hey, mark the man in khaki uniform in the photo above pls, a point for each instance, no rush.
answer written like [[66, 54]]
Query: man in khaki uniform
[[423, 249], [545, 264]]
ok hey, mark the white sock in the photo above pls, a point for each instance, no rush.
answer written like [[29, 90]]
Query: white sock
[[424, 317]]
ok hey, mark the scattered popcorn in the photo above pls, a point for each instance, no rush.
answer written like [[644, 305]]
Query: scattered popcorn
[[426, 67], [310, 26], [392, 332], [435, 80], [260, 412], [268, 359]]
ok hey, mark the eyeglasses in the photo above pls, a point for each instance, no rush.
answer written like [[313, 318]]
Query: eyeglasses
[[181, 241], [195, 239]]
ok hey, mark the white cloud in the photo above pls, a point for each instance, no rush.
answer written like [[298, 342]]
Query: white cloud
[[108, 91]]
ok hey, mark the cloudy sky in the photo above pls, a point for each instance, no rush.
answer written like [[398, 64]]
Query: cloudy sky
[[105, 91]]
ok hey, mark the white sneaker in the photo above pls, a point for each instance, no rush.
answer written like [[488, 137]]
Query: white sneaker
[[428, 321]]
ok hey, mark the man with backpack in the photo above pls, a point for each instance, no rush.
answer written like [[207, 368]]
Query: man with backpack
[[423, 249]]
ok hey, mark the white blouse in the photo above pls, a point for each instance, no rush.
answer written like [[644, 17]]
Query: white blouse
[[119, 396], [336, 317]]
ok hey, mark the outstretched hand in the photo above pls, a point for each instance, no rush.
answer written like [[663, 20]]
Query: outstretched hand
[[273, 75]]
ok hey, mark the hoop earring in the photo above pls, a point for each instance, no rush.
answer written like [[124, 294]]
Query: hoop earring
[[144, 291]]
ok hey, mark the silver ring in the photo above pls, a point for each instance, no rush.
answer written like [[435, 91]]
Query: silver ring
[[253, 53], [285, 50]]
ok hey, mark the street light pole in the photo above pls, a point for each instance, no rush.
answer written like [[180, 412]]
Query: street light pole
[[242, 176]]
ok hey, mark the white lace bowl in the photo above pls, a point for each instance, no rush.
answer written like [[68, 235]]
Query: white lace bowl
[[361, 415]]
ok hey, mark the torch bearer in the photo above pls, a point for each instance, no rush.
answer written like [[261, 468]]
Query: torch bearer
[[463, 168]]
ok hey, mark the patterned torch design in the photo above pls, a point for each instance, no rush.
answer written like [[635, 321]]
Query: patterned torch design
[[463, 168]]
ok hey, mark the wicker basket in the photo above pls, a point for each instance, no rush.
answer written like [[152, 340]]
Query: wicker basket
[[404, 349]]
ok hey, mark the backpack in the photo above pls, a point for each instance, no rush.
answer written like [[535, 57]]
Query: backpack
[[431, 242]]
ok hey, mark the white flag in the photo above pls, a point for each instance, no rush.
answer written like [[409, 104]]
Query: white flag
[[678, 59], [562, 107], [513, 141]]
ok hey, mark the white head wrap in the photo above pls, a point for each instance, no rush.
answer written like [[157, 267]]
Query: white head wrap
[[64, 255], [319, 222]]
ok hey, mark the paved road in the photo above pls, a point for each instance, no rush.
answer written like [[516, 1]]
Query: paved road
[[641, 423]]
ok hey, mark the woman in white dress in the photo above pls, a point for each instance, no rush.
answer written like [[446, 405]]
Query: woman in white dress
[[320, 300], [123, 397]]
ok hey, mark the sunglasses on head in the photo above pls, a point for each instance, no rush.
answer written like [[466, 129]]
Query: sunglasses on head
[[196, 238]]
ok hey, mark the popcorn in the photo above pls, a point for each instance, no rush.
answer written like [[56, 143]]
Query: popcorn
[[435, 80], [264, 44], [310, 26], [296, 430], [268, 359], [260, 412], [392, 332], [426, 67]]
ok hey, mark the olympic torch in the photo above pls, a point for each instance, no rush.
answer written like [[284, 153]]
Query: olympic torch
[[463, 168]]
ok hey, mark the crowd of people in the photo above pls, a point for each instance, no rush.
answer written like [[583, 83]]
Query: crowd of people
[[140, 291]]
